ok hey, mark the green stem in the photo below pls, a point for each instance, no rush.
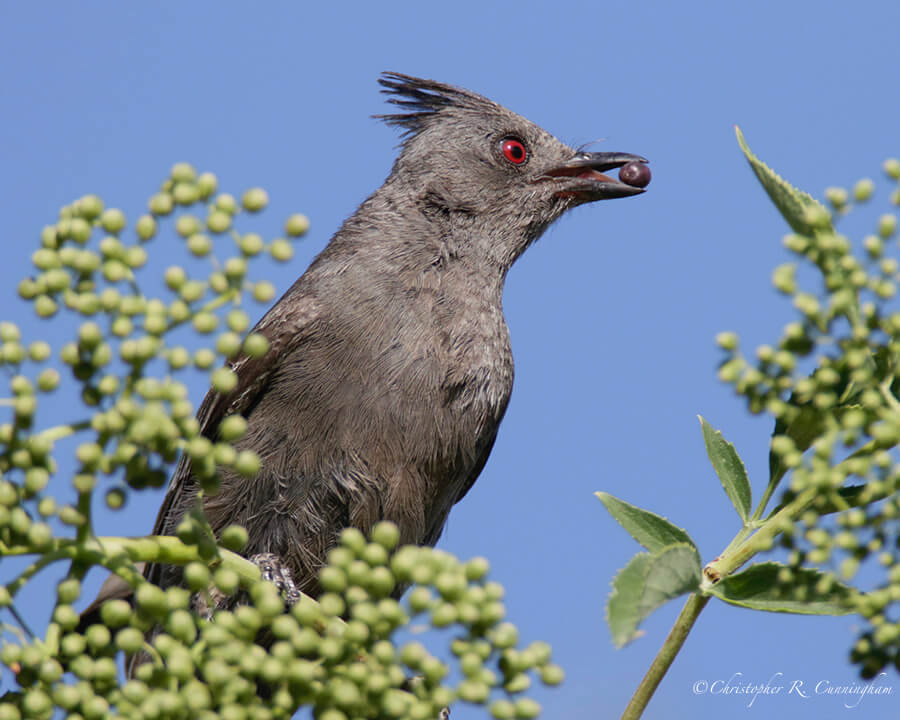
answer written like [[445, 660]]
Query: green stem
[[110, 551], [666, 655], [58, 432], [885, 388], [767, 495], [761, 540]]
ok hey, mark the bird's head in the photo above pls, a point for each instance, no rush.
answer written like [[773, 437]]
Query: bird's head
[[472, 162]]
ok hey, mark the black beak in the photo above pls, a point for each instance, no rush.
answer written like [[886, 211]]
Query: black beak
[[582, 177]]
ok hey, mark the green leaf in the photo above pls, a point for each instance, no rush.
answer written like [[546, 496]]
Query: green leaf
[[729, 467], [794, 205], [645, 583], [622, 614], [649, 529], [807, 592]]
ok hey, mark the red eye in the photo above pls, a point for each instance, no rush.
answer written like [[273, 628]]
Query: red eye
[[514, 151]]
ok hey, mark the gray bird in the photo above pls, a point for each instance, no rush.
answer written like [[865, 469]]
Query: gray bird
[[390, 365]]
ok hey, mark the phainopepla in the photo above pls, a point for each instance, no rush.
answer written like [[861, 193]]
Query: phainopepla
[[390, 365]]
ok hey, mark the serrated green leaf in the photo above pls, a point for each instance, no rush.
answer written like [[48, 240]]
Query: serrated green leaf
[[645, 583], [622, 613], [793, 204], [649, 529], [808, 592], [729, 467], [674, 571]]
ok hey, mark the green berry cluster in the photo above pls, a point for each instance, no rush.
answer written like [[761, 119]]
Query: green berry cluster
[[340, 655], [832, 384], [121, 356]]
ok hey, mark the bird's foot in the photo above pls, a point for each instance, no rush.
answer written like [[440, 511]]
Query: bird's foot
[[273, 569]]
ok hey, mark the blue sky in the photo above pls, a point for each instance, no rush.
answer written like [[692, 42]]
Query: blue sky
[[612, 314]]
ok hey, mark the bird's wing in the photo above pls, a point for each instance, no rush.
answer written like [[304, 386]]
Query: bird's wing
[[253, 375], [478, 466], [284, 329]]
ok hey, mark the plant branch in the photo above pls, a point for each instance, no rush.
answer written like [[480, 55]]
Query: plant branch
[[666, 655], [739, 551]]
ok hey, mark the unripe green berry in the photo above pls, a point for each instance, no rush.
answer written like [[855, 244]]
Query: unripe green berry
[[332, 579], [386, 534], [68, 590], [204, 358], [218, 282], [37, 703], [281, 250], [161, 204], [223, 380], [66, 617], [443, 615], [145, 227], [552, 675], [39, 351], [115, 271], [233, 428], [226, 580], [187, 225], [863, 190], [263, 291], [473, 691], [527, 708], [205, 322], [247, 463], [89, 206], [48, 379], [122, 326], [477, 568], [420, 599], [129, 640], [115, 498], [89, 335], [151, 599], [235, 268], [207, 184], [183, 172], [226, 203], [45, 306], [112, 220], [135, 257], [185, 193], [413, 655], [234, 538], [256, 345], [46, 259], [218, 221], [503, 709], [178, 357], [251, 244], [255, 199], [197, 576], [296, 225]]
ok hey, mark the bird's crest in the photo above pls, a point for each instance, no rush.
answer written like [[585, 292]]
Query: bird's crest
[[422, 100]]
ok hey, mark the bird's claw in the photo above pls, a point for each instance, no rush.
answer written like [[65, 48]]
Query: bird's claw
[[273, 569]]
